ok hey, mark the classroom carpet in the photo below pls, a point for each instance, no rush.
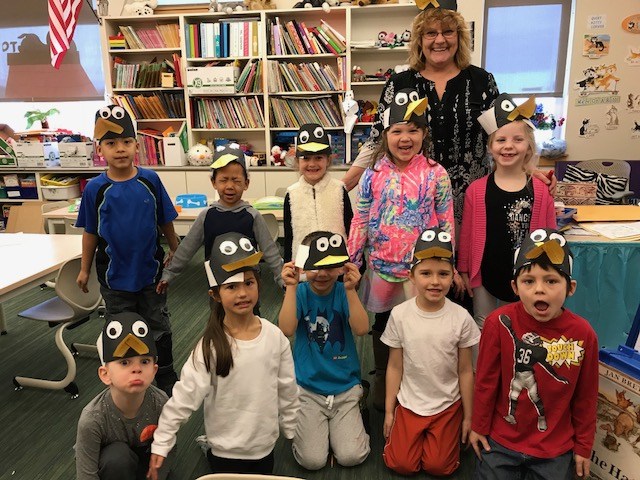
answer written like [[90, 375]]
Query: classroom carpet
[[38, 427]]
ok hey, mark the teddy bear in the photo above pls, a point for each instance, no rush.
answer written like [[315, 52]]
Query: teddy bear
[[277, 156], [227, 6], [135, 8]]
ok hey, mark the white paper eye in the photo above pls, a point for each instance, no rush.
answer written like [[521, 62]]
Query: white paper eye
[[104, 112], [322, 244], [444, 237], [245, 244], [228, 247], [304, 137], [318, 132], [114, 329], [220, 148], [140, 329], [402, 98], [413, 96], [538, 235], [335, 240], [118, 113], [428, 236], [507, 105], [559, 238]]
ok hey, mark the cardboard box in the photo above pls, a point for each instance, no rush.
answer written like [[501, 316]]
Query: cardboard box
[[30, 154], [76, 154], [211, 80], [616, 450], [174, 155], [575, 193]]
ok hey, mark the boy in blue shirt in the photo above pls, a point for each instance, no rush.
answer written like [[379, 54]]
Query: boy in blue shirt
[[324, 314], [120, 212]]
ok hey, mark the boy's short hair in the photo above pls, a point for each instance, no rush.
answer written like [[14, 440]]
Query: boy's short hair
[[125, 335], [112, 122], [226, 154], [544, 263]]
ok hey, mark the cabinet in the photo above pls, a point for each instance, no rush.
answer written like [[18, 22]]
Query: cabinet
[[288, 83]]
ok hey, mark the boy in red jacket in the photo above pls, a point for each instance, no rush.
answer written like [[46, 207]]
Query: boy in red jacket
[[539, 346]]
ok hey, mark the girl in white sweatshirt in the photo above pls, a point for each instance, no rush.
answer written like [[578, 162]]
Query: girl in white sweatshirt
[[242, 369]]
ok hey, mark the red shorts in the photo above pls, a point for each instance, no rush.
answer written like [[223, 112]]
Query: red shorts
[[428, 443]]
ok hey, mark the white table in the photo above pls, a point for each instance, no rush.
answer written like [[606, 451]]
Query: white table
[[27, 260]]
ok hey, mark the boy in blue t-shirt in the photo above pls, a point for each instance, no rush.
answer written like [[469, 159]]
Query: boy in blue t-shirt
[[323, 313], [120, 212]]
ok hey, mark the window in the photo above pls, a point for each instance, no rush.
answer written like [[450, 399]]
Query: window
[[525, 45]]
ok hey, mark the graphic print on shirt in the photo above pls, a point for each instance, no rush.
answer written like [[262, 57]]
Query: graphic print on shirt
[[518, 215], [528, 351], [324, 331]]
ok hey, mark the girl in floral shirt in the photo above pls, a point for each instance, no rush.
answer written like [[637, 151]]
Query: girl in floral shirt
[[400, 195]]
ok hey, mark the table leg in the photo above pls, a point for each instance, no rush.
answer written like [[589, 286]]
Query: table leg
[[3, 326]]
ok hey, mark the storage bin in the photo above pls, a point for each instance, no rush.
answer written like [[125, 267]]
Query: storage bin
[[13, 192], [28, 192], [57, 180], [28, 182], [191, 200], [51, 192]]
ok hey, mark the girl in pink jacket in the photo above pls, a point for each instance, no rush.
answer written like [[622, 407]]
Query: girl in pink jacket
[[501, 208]]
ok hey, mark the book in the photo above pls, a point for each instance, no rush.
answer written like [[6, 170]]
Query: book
[[293, 33]]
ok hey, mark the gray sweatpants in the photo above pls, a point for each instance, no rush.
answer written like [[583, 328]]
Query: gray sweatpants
[[334, 420]]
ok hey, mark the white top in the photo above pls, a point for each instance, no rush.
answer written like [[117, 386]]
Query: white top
[[430, 343], [242, 410]]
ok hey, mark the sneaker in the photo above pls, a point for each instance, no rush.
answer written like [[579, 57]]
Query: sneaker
[[542, 423], [203, 443]]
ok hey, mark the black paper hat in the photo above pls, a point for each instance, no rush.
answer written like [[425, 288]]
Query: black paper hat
[[446, 4], [232, 254], [542, 243], [225, 154], [326, 250], [433, 243], [406, 106], [113, 121], [125, 335], [312, 138], [504, 111]]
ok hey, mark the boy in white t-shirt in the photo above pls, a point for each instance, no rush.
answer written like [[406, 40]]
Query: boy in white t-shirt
[[430, 372]]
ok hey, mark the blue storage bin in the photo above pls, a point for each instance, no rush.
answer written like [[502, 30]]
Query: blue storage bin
[[191, 200], [625, 359]]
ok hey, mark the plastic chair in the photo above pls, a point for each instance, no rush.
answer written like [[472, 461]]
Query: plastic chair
[[618, 168], [50, 206], [70, 227], [69, 309], [246, 476], [281, 192], [272, 225]]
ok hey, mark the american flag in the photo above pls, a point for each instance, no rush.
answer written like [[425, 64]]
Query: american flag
[[63, 16]]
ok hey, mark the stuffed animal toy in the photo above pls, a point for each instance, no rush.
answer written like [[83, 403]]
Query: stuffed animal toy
[[259, 4], [386, 39], [227, 6], [200, 155], [134, 8], [325, 4], [277, 156], [358, 74]]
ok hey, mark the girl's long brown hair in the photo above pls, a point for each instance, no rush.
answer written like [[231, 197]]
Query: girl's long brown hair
[[214, 335], [383, 147]]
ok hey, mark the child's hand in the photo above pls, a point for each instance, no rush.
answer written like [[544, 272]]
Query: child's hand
[[155, 462], [458, 285], [388, 423], [467, 287], [162, 287], [169, 257], [466, 429], [475, 439], [82, 280], [351, 276], [548, 178], [582, 465], [290, 274]]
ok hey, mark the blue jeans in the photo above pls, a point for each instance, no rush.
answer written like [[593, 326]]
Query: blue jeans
[[503, 464]]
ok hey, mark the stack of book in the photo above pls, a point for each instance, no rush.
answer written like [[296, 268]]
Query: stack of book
[[228, 113], [293, 38], [156, 105], [232, 37], [250, 79], [294, 112], [145, 74], [303, 77], [117, 42], [150, 147], [156, 36]]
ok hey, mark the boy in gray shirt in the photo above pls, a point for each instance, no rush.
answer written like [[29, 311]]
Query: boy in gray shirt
[[115, 430]]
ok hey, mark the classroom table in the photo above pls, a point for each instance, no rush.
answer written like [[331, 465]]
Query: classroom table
[[28, 260], [182, 224], [608, 293]]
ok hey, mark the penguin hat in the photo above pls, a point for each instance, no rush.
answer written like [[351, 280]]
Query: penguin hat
[[225, 154], [433, 243], [112, 122], [504, 111], [406, 106], [545, 246], [125, 335], [321, 250], [445, 4], [312, 139], [232, 254]]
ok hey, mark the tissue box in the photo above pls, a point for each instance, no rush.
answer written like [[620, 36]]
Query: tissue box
[[174, 155], [76, 154], [207, 80], [30, 154], [575, 193]]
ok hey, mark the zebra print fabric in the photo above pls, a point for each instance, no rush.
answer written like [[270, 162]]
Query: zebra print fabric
[[608, 185]]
